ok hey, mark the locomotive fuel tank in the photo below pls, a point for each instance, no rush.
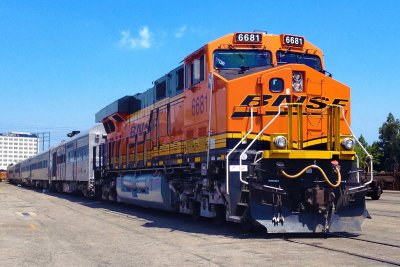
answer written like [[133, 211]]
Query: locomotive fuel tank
[[148, 190]]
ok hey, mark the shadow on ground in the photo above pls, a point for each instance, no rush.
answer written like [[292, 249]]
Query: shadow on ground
[[180, 222]]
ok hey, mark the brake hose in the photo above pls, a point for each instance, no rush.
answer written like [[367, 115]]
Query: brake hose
[[339, 177]]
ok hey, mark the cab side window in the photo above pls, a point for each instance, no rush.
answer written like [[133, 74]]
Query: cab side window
[[197, 71]]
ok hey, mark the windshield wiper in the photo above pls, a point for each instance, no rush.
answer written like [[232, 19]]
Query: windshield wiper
[[237, 52], [284, 54], [302, 55], [326, 73]]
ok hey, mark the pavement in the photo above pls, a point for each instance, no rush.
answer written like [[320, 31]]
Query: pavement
[[46, 229]]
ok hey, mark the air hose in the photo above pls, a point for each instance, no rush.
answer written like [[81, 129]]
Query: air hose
[[339, 177]]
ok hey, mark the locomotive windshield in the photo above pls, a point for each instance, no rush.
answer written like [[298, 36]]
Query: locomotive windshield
[[290, 57], [232, 64], [241, 59]]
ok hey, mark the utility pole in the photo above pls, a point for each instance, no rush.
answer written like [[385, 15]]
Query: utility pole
[[44, 138]]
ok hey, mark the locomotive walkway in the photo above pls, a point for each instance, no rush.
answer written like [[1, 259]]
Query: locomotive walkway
[[45, 229]]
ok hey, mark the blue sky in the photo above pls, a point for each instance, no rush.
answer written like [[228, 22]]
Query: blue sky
[[62, 61]]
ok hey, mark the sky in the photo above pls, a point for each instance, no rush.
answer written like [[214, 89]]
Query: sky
[[62, 61]]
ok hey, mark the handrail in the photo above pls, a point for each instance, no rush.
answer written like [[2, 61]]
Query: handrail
[[274, 188], [209, 118], [358, 166], [363, 148], [242, 155], [255, 139], [234, 148], [256, 160]]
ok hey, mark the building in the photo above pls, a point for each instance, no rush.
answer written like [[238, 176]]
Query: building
[[15, 147]]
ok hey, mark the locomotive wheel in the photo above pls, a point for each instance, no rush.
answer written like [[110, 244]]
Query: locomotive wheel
[[247, 226], [219, 219], [196, 211], [377, 194]]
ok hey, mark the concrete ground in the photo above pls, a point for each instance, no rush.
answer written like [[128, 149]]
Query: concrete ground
[[42, 229]]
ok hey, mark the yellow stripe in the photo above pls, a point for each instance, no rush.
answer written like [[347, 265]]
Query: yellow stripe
[[307, 154], [319, 141], [199, 145]]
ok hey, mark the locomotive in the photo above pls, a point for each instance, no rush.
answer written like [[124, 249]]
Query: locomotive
[[250, 128], [3, 175]]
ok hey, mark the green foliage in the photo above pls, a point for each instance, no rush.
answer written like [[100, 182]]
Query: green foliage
[[376, 153], [362, 156], [389, 143], [373, 150]]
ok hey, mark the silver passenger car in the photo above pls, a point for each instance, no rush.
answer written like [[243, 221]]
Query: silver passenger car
[[72, 161], [67, 167]]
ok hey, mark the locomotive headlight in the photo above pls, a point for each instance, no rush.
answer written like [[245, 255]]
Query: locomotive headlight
[[348, 143], [297, 82], [280, 141]]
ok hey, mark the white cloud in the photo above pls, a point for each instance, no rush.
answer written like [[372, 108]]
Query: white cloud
[[142, 41], [181, 31]]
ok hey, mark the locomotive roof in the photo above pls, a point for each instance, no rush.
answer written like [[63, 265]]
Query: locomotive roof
[[126, 104]]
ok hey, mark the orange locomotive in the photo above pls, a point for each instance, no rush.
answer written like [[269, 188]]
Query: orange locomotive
[[250, 128], [3, 175]]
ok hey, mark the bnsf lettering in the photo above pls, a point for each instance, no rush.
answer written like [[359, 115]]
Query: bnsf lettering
[[280, 99], [317, 102], [254, 100], [338, 100], [139, 129], [301, 99]]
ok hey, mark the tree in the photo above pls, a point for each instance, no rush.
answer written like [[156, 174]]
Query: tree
[[376, 153], [389, 142], [373, 150], [362, 156]]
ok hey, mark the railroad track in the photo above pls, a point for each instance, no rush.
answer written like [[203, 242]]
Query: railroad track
[[364, 240], [385, 214], [348, 251]]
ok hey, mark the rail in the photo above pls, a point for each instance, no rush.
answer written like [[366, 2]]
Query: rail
[[234, 148]]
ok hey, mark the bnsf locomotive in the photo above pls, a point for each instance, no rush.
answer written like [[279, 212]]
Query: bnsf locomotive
[[249, 129]]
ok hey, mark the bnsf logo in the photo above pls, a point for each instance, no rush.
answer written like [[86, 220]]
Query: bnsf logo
[[318, 102], [139, 129]]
